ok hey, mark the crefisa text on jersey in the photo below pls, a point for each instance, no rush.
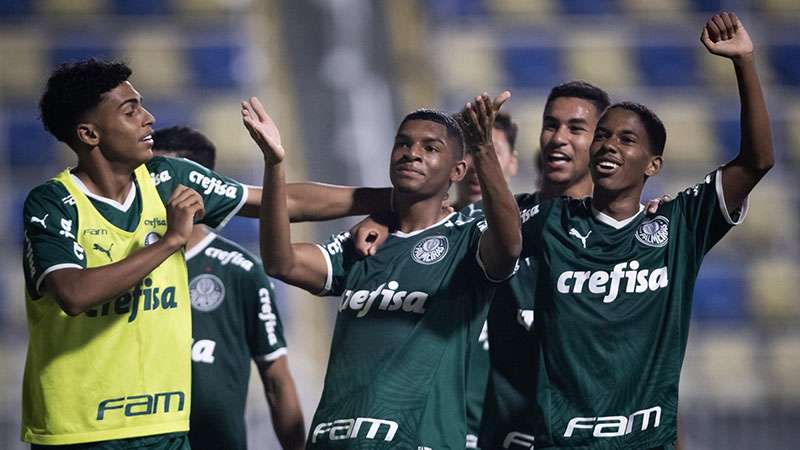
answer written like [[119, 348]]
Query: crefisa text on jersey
[[391, 299], [151, 297]]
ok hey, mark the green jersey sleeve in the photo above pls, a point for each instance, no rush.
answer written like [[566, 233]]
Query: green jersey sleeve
[[532, 214], [340, 255], [262, 321], [705, 214], [223, 197], [50, 224]]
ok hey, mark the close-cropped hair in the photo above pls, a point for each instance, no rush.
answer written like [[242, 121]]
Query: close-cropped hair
[[73, 90], [186, 143], [454, 130], [583, 90], [656, 133]]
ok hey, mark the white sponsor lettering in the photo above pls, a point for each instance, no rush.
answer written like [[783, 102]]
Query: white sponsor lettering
[[614, 426], [391, 299], [233, 257], [211, 184], [483, 338], [638, 281], [66, 229], [518, 439], [68, 200], [351, 429], [268, 316], [160, 177], [203, 350], [527, 214], [335, 246]]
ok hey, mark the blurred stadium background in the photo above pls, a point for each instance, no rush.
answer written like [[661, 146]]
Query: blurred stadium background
[[337, 75]]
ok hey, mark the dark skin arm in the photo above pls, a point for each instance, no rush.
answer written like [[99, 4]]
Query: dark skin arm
[[77, 290], [284, 406], [725, 36], [501, 243]]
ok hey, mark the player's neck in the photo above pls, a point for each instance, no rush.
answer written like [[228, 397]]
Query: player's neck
[[199, 232], [413, 215], [104, 178], [580, 189], [619, 205]]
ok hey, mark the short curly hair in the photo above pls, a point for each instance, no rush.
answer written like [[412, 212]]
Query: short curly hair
[[656, 132], [452, 126], [75, 88]]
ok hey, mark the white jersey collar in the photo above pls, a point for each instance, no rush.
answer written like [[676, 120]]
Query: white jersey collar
[[200, 246], [124, 207], [612, 222], [401, 234]]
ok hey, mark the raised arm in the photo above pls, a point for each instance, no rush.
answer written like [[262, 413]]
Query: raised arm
[[319, 201], [501, 243], [724, 35], [301, 265], [77, 290]]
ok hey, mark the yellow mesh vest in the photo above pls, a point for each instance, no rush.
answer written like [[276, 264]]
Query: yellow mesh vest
[[121, 369]]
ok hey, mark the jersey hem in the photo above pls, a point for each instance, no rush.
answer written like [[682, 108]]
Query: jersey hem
[[272, 356], [723, 208], [236, 209], [105, 435], [483, 267], [329, 275]]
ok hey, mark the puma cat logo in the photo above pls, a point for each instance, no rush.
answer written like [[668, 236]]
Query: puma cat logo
[[103, 250], [575, 233], [35, 219]]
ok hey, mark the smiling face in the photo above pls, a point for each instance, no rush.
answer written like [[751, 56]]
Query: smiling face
[[120, 126], [621, 159], [567, 129], [423, 162]]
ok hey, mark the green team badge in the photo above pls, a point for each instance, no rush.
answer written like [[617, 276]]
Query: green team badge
[[430, 250], [206, 292], [654, 232]]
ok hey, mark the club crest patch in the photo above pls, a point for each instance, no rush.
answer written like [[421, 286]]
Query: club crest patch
[[206, 292], [430, 250], [654, 232]]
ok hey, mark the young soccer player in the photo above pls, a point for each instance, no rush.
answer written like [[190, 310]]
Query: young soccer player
[[106, 286], [234, 320], [614, 287], [396, 374]]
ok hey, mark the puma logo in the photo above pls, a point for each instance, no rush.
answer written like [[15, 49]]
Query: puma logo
[[575, 233], [35, 219], [103, 250]]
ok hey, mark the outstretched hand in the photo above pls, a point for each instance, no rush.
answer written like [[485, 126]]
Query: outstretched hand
[[724, 35], [478, 118], [263, 130]]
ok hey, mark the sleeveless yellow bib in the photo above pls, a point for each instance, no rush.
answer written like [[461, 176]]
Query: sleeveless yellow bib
[[121, 369]]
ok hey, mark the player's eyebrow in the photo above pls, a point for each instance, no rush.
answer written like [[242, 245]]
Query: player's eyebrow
[[134, 100]]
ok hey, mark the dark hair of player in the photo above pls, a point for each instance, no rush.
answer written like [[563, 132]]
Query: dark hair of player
[[186, 143], [454, 131], [503, 122], [581, 89], [74, 89], [656, 133]]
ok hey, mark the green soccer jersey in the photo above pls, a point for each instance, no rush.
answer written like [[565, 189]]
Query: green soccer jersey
[[51, 218], [397, 370], [612, 302], [234, 320]]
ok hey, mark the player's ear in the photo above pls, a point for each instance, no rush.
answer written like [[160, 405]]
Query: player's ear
[[88, 134], [458, 171], [654, 166]]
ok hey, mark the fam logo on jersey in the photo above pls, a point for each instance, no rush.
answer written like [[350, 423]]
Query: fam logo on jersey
[[206, 292], [430, 250], [151, 238], [654, 232]]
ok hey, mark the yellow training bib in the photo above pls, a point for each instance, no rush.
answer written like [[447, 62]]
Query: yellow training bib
[[121, 369]]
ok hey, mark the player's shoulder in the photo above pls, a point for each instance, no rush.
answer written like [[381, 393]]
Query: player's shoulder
[[231, 255], [49, 196]]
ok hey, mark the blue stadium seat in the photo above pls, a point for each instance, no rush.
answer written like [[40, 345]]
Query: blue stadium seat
[[74, 48], [667, 65], [28, 143], [10, 8], [531, 67], [215, 66], [141, 7], [711, 6], [590, 7], [786, 63], [449, 9], [719, 294]]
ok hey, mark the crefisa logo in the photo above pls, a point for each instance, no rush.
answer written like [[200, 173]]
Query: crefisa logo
[[151, 238], [430, 250], [654, 232]]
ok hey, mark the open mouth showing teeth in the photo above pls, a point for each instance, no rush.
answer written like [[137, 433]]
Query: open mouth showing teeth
[[148, 138], [607, 165], [557, 157]]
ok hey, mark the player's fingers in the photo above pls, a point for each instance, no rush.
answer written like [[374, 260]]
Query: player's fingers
[[485, 112], [259, 109], [500, 99], [705, 38], [665, 198], [179, 189], [713, 31], [726, 19], [472, 119], [717, 19], [184, 195], [736, 22], [652, 206]]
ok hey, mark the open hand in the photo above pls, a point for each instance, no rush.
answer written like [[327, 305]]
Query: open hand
[[724, 35], [478, 118], [263, 130]]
